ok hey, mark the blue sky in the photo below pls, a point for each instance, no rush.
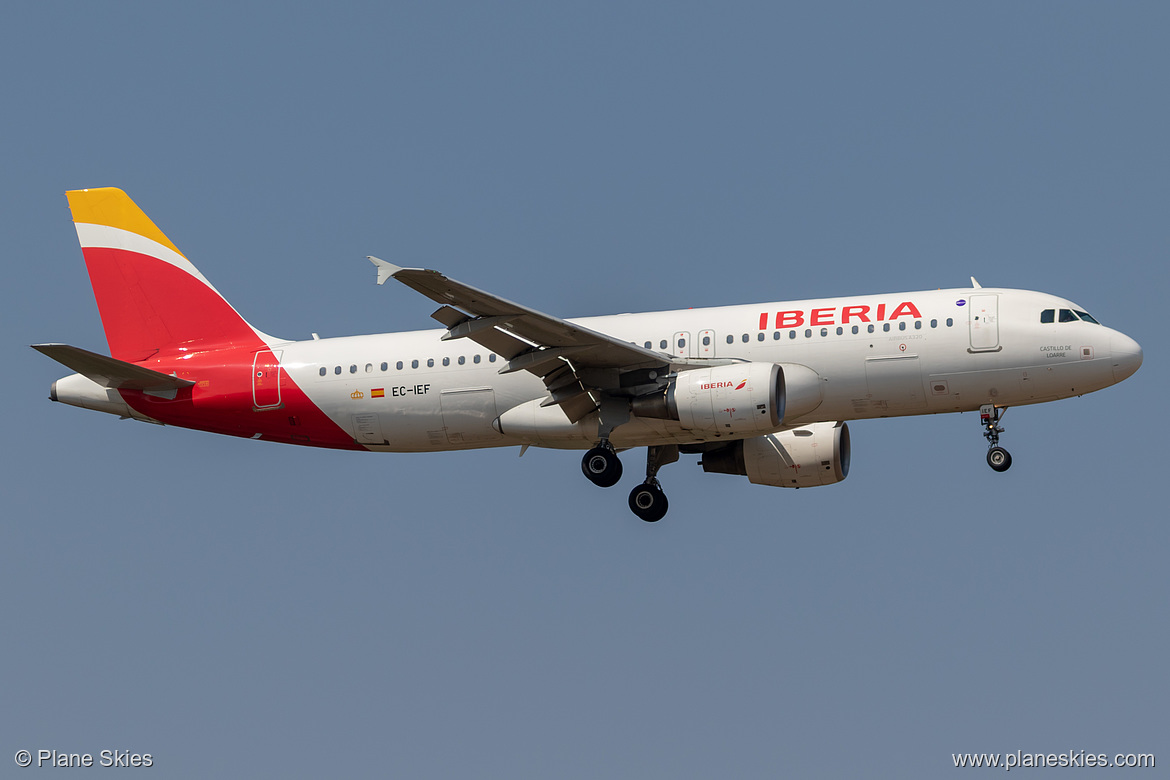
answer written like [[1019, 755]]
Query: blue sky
[[243, 609]]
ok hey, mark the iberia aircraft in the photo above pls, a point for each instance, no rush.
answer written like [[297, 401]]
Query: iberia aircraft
[[759, 390]]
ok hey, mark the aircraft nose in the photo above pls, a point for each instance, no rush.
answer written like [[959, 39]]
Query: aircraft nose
[[1127, 356]]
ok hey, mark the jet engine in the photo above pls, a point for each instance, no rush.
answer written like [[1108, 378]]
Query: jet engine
[[734, 399], [809, 456]]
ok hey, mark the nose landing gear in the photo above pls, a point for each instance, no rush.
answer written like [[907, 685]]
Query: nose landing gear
[[997, 457]]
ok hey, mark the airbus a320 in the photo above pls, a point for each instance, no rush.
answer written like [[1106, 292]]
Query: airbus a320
[[759, 390]]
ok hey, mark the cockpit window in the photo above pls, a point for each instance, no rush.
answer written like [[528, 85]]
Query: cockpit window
[[1048, 316], [1066, 315], [1085, 316]]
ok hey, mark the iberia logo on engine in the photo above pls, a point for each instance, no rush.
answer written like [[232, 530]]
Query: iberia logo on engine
[[719, 385]]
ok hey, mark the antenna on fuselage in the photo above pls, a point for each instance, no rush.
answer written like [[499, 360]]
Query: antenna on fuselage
[[976, 284]]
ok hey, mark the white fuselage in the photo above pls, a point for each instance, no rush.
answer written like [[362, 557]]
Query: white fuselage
[[876, 356]]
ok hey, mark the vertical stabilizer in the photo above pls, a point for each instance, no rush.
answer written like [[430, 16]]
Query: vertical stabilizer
[[150, 297]]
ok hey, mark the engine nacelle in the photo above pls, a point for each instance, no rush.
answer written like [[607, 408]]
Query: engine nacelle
[[743, 398], [735, 399], [813, 455]]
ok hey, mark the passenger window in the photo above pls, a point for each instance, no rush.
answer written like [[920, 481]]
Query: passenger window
[[950, 322], [647, 345], [430, 362], [462, 360], [934, 323], [385, 366], [337, 369], [446, 361], [776, 336], [917, 324], [1048, 316], [492, 358], [886, 327], [745, 338], [662, 344], [322, 371], [855, 329], [414, 364], [808, 333], [730, 339], [824, 332], [398, 365], [759, 336], [840, 331], [869, 328], [706, 341], [791, 334], [902, 325], [369, 368], [353, 369], [475, 359], [1066, 315]]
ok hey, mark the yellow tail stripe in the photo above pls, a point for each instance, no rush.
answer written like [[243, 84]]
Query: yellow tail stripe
[[112, 207]]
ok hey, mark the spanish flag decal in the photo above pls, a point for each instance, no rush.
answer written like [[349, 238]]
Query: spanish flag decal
[[378, 392]]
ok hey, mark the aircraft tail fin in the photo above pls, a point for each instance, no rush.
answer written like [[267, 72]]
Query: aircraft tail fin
[[151, 298]]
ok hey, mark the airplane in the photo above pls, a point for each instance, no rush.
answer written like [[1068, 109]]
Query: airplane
[[757, 390]]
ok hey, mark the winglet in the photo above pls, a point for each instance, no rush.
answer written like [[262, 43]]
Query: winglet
[[385, 270], [974, 284]]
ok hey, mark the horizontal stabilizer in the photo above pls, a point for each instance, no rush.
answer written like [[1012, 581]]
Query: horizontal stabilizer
[[110, 372]]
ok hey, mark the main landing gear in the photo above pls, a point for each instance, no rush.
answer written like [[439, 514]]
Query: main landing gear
[[601, 465], [647, 501], [997, 457]]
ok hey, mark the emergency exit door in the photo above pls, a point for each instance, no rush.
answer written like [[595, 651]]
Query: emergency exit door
[[706, 344]]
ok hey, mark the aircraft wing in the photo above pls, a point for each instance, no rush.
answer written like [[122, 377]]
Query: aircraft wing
[[577, 364]]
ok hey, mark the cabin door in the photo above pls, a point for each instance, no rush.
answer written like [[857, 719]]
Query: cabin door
[[984, 319], [266, 379]]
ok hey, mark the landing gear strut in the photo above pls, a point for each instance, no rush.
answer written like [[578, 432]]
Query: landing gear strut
[[997, 457], [601, 464], [647, 500]]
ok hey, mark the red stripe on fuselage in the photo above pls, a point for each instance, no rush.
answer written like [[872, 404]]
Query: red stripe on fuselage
[[160, 316], [222, 402]]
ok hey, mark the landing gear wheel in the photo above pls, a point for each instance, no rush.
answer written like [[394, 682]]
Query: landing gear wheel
[[999, 459], [602, 467], [648, 502]]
